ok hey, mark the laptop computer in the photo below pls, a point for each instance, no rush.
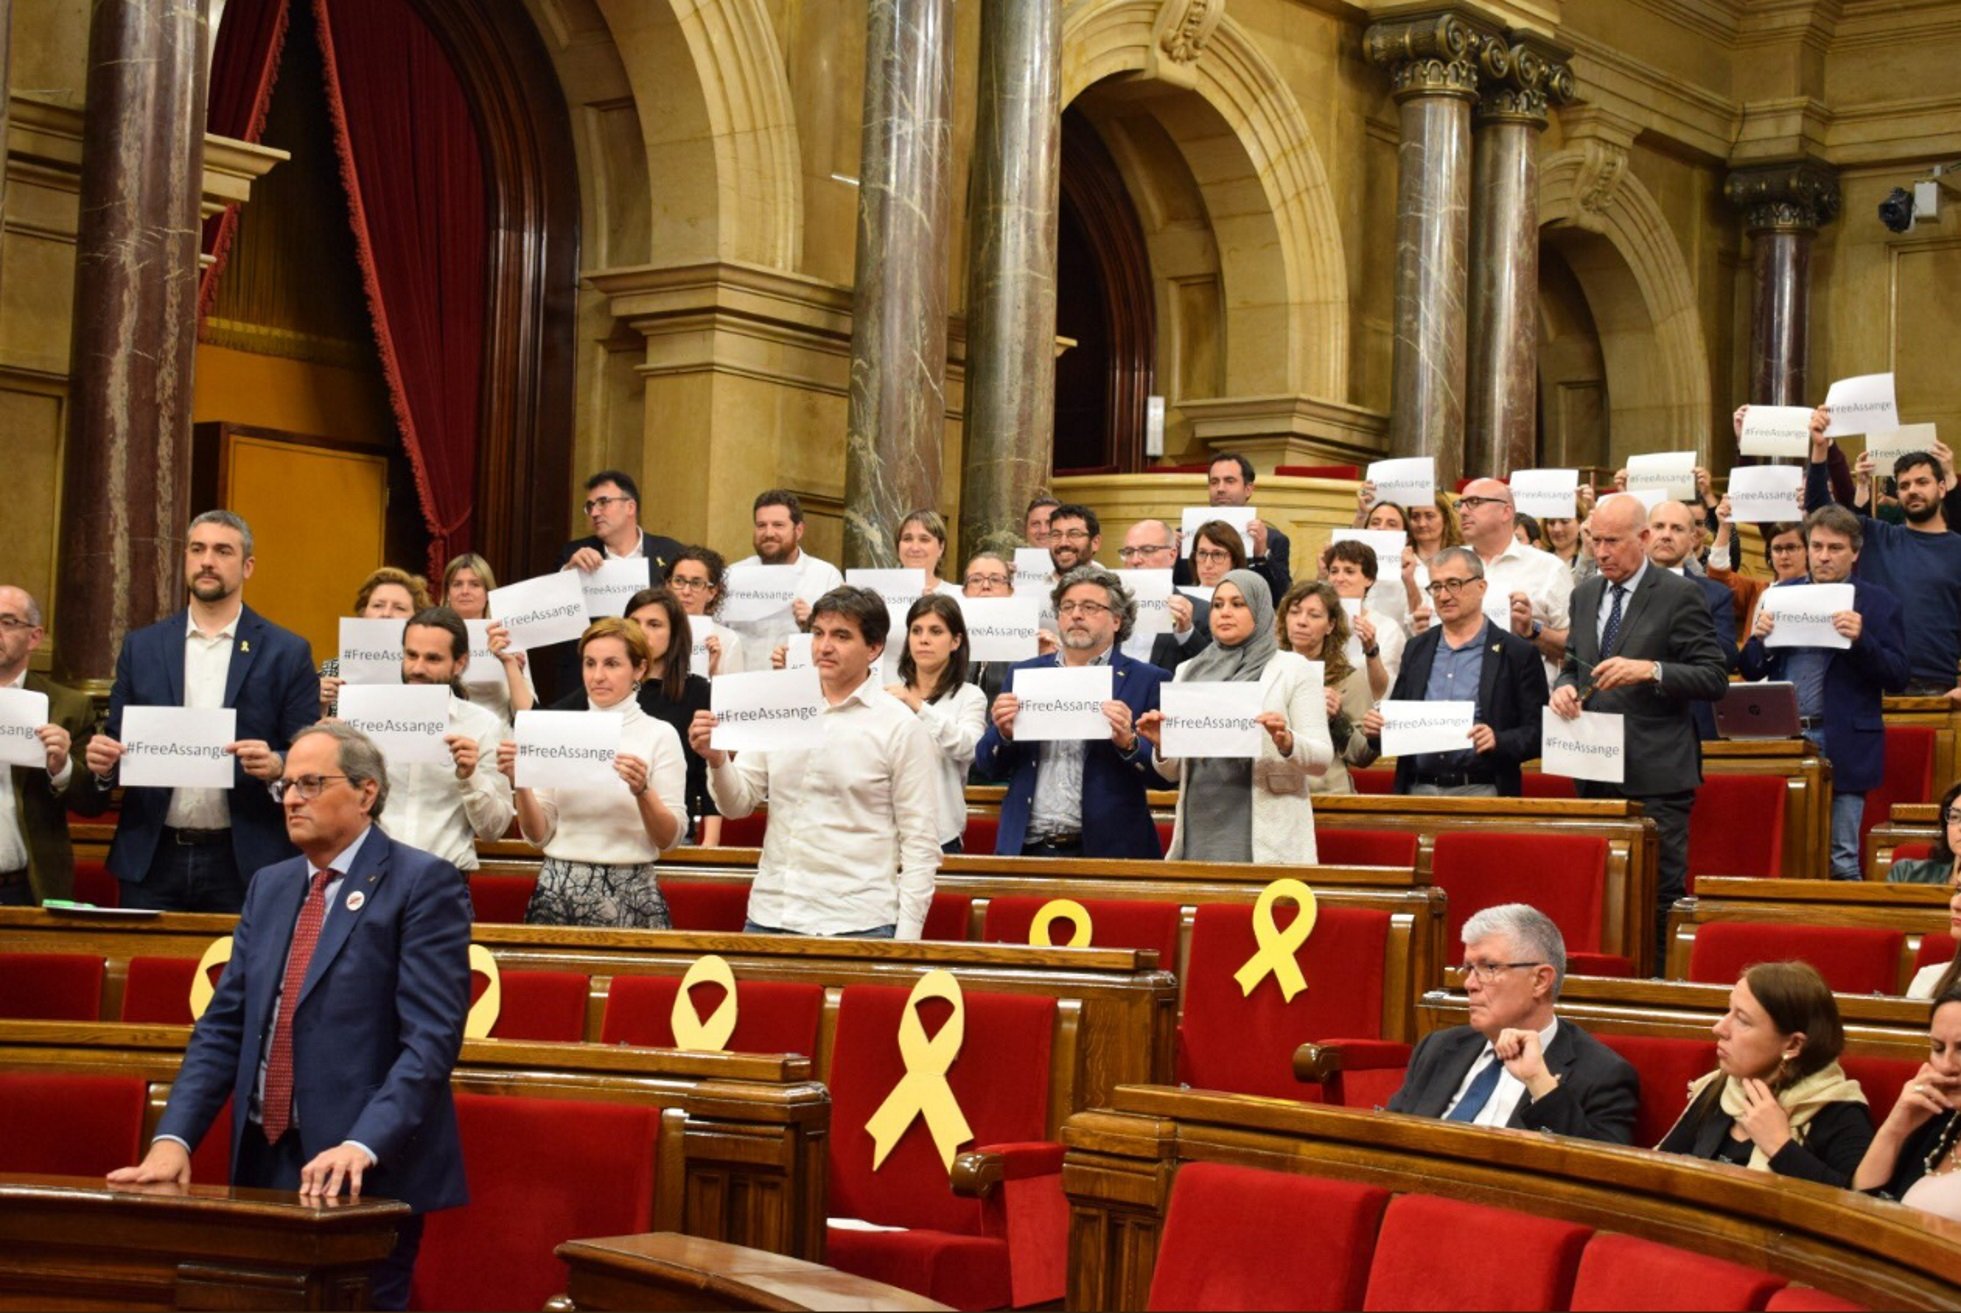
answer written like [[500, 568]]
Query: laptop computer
[[1759, 711]]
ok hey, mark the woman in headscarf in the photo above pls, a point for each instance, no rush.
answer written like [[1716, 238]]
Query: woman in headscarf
[[1238, 809]]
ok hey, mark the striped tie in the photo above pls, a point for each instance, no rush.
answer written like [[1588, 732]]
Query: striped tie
[[1613, 629], [276, 1110]]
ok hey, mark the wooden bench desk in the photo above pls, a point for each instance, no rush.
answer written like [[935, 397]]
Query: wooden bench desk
[[1916, 909], [669, 1271], [1909, 822]]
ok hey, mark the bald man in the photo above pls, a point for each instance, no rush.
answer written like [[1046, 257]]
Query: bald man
[[1150, 545], [1672, 528], [1526, 589], [36, 860]]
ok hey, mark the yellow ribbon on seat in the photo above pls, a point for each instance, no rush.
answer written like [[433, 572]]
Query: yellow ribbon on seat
[[202, 990], [1061, 909], [690, 1031], [923, 1091], [483, 1013], [1277, 946]]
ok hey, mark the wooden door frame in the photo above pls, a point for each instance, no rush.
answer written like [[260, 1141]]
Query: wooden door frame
[[1093, 188]]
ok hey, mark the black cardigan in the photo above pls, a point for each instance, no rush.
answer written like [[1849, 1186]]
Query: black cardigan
[[1911, 1165], [1835, 1140]]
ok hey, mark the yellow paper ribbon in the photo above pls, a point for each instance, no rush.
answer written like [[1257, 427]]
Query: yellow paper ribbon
[[483, 1013], [690, 1031], [1277, 946], [923, 1091], [1060, 909], [202, 989]]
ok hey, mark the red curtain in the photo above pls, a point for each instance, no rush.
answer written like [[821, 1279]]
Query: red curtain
[[244, 67], [412, 164]]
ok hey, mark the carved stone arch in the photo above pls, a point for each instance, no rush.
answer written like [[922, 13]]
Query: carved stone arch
[[1297, 245]]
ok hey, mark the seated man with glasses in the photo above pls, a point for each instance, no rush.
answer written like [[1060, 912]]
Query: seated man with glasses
[[1517, 1063], [1467, 658]]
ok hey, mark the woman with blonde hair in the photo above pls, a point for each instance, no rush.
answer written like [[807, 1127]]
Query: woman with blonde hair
[[921, 545], [467, 584], [386, 594], [1311, 622]]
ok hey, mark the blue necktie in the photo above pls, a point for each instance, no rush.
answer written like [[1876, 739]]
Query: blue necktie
[[1613, 629], [1478, 1094]]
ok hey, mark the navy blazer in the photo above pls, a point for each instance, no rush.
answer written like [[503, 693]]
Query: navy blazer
[[1722, 611], [1855, 679], [272, 685], [1512, 698], [1595, 1099], [377, 1030], [1116, 817]]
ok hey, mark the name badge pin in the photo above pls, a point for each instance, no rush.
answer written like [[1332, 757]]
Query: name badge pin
[[355, 900]]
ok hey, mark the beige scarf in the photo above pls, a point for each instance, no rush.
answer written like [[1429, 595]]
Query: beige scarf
[[1800, 1101]]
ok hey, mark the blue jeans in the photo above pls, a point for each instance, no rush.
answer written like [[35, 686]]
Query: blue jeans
[[1848, 811], [876, 932]]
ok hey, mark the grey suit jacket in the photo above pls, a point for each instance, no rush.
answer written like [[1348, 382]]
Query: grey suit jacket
[[1666, 620]]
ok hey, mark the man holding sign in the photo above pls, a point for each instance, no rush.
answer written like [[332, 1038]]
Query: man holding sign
[[1839, 689], [1229, 482], [1533, 588], [612, 508], [36, 861], [778, 539]]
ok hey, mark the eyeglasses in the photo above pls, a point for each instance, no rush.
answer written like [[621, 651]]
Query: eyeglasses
[[307, 786], [1471, 503], [1137, 553], [1440, 587], [986, 581], [1490, 971], [13, 626], [601, 503], [1210, 554], [1090, 609], [1952, 816], [1787, 547], [1070, 535], [681, 585]]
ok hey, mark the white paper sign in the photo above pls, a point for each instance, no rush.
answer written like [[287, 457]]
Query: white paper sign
[[1034, 574], [1211, 718], [1763, 494], [1670, 473], [1862, 405], [610, 587], [178, 747], [1152, 589], [1591, 746], [1804, 614], [484, 670], [568, 749], [1407, 481], [407, 722], [1353, 606], [1887, 447], [22, 711], [761, 710], [1196, 517], [1197, 592], [1000, 628], [371, 651], [900, 588], [1062, 703], [539, 612], [1387, 544], [1776, 431], [754, 593], [1410, 727], [1546, 494], [700, 627], [796, 652], [1649, 499]]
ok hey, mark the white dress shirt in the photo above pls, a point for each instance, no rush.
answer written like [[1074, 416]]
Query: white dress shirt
[[13, 839], [429, 808], [853, 823], [602, 826], [1498, 1109], [814, 578], [955, 724], [1546, 581], [207, 662]]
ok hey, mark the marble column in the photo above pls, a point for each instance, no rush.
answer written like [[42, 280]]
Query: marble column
[[1433, 68], [6, 35], [126, 464], [1783, 207], [896, 424], [1010, 423], [1502, 420]]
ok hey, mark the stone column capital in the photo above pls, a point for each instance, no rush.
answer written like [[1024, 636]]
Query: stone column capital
[[1520, 80], [1430, 54], [1796, 197]]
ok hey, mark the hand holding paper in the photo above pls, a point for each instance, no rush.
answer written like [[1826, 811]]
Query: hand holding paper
[[1802, 614], [1410, 727], [1591, 746]]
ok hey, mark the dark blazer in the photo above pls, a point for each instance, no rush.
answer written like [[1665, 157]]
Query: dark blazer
[[1512, 695], [272, 685], [1275, 567], [660, 551], [378, 1026], [1666, 620], [1855, 679], [40, 809], [1836, 1138], [1169, 651], [1722, 613], [1596, 1098], [1116, 817]]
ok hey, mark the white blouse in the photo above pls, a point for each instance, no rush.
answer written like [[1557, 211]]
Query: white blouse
[[602, 825], [955, 724]]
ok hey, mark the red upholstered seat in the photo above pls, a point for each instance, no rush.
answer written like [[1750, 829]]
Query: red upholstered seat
[[1809, 1299], [1371, 780], [744, 831], [1563, 875], [94, 884], [1880, 1078], [712, 906], [158, 990], [1538, 784], [66, 1125], [1598, 964], [1934, 948], [771, 1016], [1434, 1253], [1852, 959], [1113, 924], [1244, 1043], [1217, 1250], [947, 916], [537, 1005], [1164, 836], [981, 834], [954, 1250], [1913, 848], [500, 899], [1339, 847], [1619, 1272], [1908, 777], [1737, 827], [51, 986], [1666, 1064], [211, 1164], [541, 1171], [1319, 471]]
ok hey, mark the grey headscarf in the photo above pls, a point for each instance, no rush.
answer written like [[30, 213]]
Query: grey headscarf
[[1247, 660]]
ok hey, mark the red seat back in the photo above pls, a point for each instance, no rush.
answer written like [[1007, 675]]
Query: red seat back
[[1913, 848], [500, 899], [744, 831], [981, 834], [710, 906], [1563, 875], [1229, 1040], [1737, 827], [51, 986], [158, 990], [1113, 924], [1372, 780], [1620, 1272], [541, 1171], [63, 1125], [1339, 847], [771, 1016], [1934, 948], [1808, 1299], [1434, 1253], [1908, 777], [1666, 1064], [1000, 1078], [537, 1005], [1880, 1078], [1852, 959], [1538, 784], [94, 884], [1217, 1250], [947, 916]]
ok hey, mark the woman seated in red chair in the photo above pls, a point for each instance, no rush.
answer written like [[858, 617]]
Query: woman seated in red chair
[[1778, 1101], [1916, 1156]]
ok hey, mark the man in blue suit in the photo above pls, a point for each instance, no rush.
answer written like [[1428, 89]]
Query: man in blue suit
[[189, 850], [1839, 689], [1083, 798], [1671, 545], [340, 1014]]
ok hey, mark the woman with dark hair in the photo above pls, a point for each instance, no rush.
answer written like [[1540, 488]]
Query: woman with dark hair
[[1217, 550], [1938, 867], [933, 682], [1311, 622], [1914, 1156], [698, 576], [1778, 1101]]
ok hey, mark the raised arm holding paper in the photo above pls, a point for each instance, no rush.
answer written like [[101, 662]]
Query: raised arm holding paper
[[778, 528], [1230, 482], [47, 729], [369, 644], [1536, 586]]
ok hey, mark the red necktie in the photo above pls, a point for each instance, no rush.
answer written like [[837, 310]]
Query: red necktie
[[276, 1109]]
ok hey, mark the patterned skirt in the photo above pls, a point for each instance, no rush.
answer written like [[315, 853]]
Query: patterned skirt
[[584, 893]]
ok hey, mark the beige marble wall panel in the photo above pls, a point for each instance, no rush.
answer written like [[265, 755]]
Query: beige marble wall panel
[[31, 417], [49, 58], [1306, 509]]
